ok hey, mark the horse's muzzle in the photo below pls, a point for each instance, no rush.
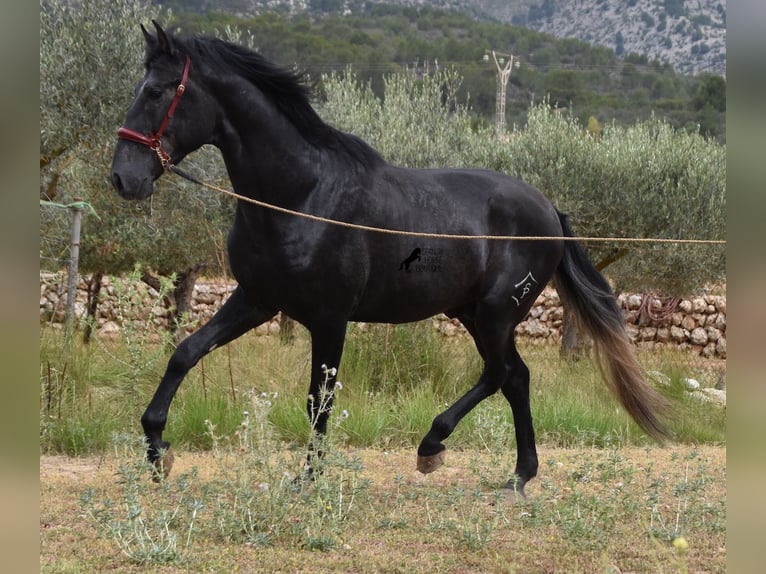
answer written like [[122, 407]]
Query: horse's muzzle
[[132, 188]]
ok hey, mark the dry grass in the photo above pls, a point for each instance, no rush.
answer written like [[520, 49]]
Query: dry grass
[[589, 510]]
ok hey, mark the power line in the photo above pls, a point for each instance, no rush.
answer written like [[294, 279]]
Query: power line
[[543, 67], [504, 68]]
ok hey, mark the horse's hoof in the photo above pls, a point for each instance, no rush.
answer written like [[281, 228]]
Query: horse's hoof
[[428, 464], [301, 481], [163, 465], [515, 490]]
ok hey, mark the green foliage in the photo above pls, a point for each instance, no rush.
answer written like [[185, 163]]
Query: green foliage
[[395, 383], [83, 390], [646, 180], [181, 226], [383, 38], [711, 91], [563, 86], [405, 358], [81, 45], [419, 121]]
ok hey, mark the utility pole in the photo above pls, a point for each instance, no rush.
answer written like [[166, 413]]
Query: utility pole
[[504, 64]]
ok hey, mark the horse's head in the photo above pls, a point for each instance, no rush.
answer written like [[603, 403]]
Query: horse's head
[[165, 122]]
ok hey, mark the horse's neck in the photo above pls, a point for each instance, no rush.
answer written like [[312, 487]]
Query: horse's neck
[[266, 156]]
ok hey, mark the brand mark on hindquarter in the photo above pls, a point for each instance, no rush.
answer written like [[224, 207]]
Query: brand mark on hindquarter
[[523, 288]]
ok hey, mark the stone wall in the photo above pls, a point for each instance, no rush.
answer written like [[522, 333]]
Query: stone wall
[[697, 324]]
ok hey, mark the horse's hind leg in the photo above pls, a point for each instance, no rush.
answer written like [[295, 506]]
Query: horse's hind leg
[[491, 342], [516, 391], [235, 317]]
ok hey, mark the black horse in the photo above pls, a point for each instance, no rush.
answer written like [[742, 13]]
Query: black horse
[[276, 148]]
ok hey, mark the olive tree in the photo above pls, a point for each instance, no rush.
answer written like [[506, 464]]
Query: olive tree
[[91, 56], [419, 122], [643, 181]]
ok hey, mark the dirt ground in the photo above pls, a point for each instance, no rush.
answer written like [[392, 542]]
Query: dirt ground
[[643, 488]]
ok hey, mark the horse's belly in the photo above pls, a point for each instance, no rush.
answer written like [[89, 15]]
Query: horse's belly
[[417, 294]]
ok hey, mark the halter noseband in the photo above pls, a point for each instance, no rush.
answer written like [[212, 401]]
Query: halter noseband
[[154, 140]]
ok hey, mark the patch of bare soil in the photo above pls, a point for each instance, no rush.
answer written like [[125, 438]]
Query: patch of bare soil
[[589, 510]]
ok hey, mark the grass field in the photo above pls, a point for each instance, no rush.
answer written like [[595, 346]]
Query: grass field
[[395, 380], [606, 498]]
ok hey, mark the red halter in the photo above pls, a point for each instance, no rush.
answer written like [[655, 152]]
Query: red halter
[[154, 140]]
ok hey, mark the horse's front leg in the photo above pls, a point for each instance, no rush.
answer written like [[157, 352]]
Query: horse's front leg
[[327, 342], [234, 318]]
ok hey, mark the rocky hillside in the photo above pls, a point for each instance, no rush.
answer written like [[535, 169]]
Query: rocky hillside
[[688, 34]]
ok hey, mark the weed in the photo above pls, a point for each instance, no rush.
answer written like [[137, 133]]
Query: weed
[[255, 492], [149, 525], [86, 388], [394, 502], [262, 502]]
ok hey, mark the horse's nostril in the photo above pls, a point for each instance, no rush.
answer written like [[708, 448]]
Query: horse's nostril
[[116, 182]]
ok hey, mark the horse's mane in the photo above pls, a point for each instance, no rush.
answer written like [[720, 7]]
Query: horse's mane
[[289, 90]]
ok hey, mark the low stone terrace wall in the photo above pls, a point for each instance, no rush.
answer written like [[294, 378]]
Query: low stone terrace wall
[[696, 324]]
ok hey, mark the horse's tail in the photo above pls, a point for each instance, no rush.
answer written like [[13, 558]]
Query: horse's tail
[[586, 291]]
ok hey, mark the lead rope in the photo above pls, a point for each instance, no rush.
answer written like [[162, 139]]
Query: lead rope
[[175, 169]]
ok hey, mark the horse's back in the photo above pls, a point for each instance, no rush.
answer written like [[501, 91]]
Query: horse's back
[[464, 201]]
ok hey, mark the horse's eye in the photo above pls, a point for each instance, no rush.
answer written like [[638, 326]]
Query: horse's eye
[[153, 92]]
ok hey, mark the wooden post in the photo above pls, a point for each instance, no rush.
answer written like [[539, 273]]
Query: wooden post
[[74, 259]]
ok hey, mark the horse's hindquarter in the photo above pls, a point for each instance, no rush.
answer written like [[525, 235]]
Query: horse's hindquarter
[[413, 278]]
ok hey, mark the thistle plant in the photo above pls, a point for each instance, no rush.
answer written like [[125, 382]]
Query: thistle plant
[[263, 500], [150, 525]]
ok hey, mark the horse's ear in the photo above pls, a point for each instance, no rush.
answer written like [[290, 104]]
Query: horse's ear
[[150, 40], [166, 44]]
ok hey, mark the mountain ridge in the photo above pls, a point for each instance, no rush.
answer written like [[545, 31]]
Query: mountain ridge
[[690, 35]]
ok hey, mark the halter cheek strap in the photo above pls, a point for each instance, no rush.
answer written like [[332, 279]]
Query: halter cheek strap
[[154, 139]]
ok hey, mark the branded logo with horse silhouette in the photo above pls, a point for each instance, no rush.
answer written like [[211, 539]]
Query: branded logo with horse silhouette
[[423, 260]]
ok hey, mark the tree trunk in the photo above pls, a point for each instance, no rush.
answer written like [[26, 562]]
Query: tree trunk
[[286, 329], [177, 301], [182, 293], [94, 295], [573, 344]]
